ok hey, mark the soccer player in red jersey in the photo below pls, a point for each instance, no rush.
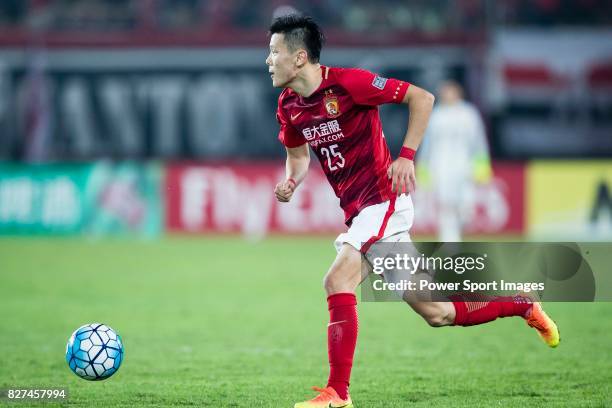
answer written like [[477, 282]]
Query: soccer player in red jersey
[[334, 112]]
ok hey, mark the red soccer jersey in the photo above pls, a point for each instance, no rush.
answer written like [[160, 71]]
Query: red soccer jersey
[[340, 122]]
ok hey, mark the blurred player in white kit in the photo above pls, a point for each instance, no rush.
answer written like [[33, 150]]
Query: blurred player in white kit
[[454, 156]]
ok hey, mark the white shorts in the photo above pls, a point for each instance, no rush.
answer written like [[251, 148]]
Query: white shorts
[[379, 223]]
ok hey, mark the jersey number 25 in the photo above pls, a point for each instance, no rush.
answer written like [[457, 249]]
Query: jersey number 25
[[330, 153]]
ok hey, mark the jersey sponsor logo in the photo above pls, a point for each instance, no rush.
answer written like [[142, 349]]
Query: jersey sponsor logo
[[379, 82], [322, 130], [326, 139], [332, 106], [297, 115]]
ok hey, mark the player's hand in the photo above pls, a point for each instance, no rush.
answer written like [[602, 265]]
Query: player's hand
[[284, 190], [402, 175]]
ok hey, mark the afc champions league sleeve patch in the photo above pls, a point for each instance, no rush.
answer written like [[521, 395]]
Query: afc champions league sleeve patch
[[379, 82]]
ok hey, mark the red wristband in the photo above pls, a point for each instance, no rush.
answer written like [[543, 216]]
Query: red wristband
[[292, 181], [407, 153]]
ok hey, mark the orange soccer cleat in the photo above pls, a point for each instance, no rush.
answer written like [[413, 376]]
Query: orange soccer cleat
[[327, 398], [537, 318]]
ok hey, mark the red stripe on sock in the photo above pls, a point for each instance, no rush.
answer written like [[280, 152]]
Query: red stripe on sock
[[341, 340]]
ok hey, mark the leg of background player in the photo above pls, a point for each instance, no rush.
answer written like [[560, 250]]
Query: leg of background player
[[449, 228]]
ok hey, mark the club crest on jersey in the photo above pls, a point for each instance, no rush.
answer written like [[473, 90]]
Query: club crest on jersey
[[332, 106]]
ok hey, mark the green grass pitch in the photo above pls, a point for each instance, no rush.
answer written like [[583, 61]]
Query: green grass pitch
[[220, 322]]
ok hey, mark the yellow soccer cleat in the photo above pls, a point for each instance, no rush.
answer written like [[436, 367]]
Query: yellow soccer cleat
[[327, 398], [537, 318]]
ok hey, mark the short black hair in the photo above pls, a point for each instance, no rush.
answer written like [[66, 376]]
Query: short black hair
[[300, 31]]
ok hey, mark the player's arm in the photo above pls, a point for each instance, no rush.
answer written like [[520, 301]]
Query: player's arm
[[420, 103], [296, 167], [367, 88], [298, 155]]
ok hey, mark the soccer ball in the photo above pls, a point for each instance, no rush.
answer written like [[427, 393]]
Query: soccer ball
[[94, 352]]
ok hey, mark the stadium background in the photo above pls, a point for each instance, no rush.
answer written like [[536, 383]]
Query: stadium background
[[138, 155]]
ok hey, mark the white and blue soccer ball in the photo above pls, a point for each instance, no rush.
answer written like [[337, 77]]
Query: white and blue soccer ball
[[94, 352]]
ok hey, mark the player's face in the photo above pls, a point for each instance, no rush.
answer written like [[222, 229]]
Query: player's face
[[450, 93], [282, 63]]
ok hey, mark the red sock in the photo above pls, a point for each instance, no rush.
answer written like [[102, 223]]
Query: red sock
[[486, 309], [341, 340]]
